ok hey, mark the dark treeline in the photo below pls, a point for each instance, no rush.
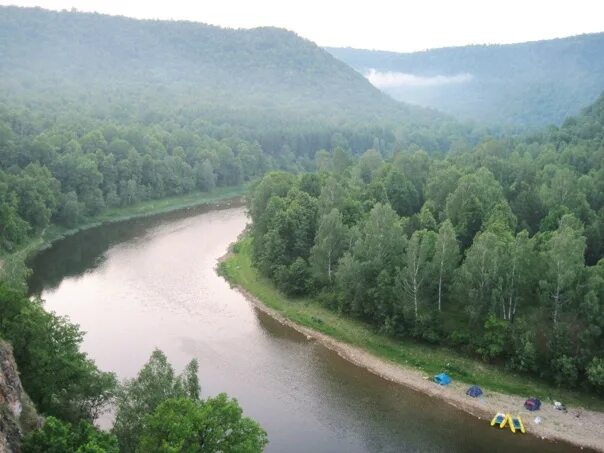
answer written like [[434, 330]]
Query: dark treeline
[[497, 250], [62, 172]]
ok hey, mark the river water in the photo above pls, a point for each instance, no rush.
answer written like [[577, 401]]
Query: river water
[[151, 283]]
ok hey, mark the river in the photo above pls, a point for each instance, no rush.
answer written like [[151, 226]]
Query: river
[[151, 283]]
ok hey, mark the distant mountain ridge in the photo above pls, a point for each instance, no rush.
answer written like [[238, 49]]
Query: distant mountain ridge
[[267, 67], [529, 84]]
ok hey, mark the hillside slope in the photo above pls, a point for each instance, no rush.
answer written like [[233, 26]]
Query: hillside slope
[[528, 84], [179, 61]]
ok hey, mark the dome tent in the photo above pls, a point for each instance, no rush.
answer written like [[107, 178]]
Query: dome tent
[[474, 391], [532, 404], [442, 379]]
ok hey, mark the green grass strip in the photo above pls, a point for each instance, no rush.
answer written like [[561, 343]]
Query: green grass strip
[[239, 270]]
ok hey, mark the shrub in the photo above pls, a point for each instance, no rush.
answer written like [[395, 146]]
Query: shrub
[[595, 373]]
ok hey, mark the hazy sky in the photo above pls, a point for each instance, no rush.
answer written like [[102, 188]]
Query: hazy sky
[[377, 24]]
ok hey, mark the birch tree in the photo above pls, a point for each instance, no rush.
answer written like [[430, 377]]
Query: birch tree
[[519, 273], [446, 257], [379, 250], [563, 256], [331, 242], [417, 267], [480, 276]]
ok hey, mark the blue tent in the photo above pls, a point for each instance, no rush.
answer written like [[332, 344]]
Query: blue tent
[[474, 391], [442, 379]]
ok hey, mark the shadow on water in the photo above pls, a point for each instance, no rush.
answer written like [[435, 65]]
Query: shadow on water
[[85, 251]]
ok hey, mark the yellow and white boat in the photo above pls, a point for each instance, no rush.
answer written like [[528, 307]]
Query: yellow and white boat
[[516, 424], [500, 419]]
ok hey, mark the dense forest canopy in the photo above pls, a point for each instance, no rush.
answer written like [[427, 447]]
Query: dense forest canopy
[[99, 111], [497, 250], [529, 84]]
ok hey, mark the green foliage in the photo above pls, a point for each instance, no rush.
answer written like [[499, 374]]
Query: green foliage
[[59, 378], [330, 243], [595, 373], [470, 204], [190, 426], [563, 257], [565, 370], [429, 358], [60, 437], [139, 397], [496, 248], [159, 411], [294, 279], [524, 357], [494, 338], [402, 194]]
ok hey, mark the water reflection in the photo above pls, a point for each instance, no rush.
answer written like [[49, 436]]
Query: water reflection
[[85, 251]]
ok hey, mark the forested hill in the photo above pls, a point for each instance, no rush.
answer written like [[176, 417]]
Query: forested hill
[[528, 84], [99, 111], [182, 62], [497, 251]]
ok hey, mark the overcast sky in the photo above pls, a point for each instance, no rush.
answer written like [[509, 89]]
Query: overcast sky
[[401, 25]]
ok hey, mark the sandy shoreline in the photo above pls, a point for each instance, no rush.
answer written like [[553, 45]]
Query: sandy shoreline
[[585, 430]]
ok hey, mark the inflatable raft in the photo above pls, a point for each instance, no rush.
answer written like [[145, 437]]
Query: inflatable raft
[[500, 420], [516, 424]]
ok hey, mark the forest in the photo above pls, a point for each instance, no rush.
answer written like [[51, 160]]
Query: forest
[[400, 216], [521, 86], [497, 251], [130, 123]]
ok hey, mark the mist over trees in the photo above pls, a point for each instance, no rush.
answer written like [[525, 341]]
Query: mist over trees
[[527, 85], [496, 250]]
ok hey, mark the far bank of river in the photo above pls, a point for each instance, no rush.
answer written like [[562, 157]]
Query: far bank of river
[[13, 266], [146, 283]]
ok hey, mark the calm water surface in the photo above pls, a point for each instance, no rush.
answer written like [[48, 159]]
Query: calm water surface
[[151, 283]]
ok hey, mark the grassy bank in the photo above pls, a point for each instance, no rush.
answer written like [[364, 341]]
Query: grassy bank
[[238, 269], [13, 268]]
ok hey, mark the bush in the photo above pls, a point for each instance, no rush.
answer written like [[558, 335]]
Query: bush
[[60, 437], [190, 426], [565, 370], [460, 338], [60, 379], [524, 355], [595, 374], [494, 338], [295, 279], [427, 329], [137, 398], [329, 299]]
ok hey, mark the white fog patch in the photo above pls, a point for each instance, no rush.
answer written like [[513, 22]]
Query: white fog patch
[[401, 79]]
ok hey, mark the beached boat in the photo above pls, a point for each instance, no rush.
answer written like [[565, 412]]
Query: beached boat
[[500, 420], [516, 424]]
